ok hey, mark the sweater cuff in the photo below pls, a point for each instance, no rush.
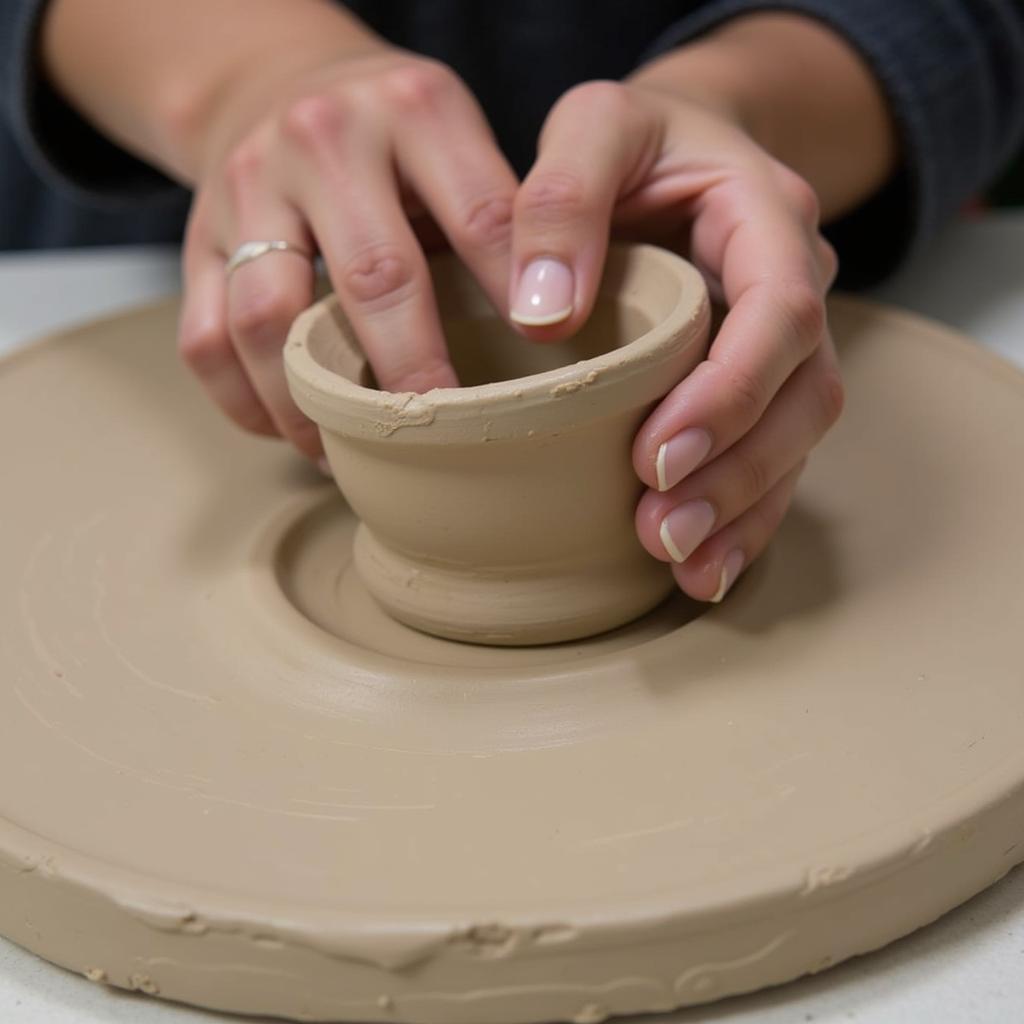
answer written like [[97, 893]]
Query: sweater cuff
[[59, 143], [953, 76]]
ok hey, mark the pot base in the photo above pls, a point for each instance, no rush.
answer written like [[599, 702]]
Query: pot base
[[307, 568], [511, 611], [234, 781]]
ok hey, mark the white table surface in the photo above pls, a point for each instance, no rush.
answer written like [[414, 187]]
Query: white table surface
[[968, 967]]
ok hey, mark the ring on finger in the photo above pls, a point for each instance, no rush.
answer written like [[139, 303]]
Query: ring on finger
[[249, 251]]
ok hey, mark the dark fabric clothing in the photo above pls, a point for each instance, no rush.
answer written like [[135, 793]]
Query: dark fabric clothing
[[952, 70]]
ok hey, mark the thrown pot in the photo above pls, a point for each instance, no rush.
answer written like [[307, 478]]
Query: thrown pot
[[501, 512]]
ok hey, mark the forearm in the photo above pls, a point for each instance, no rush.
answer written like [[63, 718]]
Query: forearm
[[151, 75], [800, 91]]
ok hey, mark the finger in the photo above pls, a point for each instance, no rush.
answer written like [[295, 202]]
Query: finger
[[828, 261], [348, 191], [769, 265], [673, 524], [447, 153], [265, 296], [595, 143], [205, 344], [710, 572]]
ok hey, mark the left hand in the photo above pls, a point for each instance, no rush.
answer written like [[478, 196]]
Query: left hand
[[722, 452]]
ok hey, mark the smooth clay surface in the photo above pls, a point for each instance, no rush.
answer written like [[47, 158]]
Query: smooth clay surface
[[230, 779], [501, 512]]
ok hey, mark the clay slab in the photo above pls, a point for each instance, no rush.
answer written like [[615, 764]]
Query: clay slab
[[230, 780]]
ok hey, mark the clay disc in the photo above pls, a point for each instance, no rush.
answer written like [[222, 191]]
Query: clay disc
[[230, 780]]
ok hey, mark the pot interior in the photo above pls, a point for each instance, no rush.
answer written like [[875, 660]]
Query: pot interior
[[485, 349]]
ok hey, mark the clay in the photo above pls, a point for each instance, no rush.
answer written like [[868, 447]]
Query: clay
[[231, 779], [501, 512]]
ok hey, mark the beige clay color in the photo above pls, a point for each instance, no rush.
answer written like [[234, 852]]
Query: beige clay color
[[229, 778], [501, 512]]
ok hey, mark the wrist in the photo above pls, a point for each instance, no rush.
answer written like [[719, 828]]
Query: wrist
[[709, 72], [178, 66], [205, 118], [800, 91]]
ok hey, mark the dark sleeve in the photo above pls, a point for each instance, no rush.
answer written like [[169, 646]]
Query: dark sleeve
[[59, 144], [953, 74]]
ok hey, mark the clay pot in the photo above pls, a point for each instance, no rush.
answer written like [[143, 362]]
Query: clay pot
[[501, 512]]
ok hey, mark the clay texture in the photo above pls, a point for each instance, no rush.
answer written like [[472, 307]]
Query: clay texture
[[501, 512], [231, 779]]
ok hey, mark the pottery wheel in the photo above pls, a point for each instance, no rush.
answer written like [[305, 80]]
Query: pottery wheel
[[229, 779]]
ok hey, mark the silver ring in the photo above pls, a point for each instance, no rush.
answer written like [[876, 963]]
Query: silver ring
[[249, 251]]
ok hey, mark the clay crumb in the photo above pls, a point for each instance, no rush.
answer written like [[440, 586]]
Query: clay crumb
[[385, 1002], [96, 974], [924, 841], [821, 877], [194, 924], [572, 386], [487, 941], [591, 1013], [405, 409], [143, 983], [553, 934]]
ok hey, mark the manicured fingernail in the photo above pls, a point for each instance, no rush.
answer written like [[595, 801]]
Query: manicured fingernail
[[732, 566], [545, 294], [685, 527], [679, 456], [324, 466]]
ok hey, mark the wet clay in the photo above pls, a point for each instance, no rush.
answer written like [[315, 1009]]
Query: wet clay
[[501, 512], [231, 779]]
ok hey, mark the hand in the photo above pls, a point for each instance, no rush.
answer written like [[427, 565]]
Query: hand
[[351, 157], [721, 454]]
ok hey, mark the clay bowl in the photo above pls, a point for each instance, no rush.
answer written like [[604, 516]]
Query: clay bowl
[[501, 512]]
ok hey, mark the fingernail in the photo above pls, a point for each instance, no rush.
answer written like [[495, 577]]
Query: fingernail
[[683, 529], [732, 566], [545, 294], [324, 466], [681, 455]]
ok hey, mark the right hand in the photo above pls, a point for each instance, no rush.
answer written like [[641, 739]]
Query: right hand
[[349, 158]]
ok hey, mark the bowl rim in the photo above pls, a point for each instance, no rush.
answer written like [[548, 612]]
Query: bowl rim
[[549, 399]]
